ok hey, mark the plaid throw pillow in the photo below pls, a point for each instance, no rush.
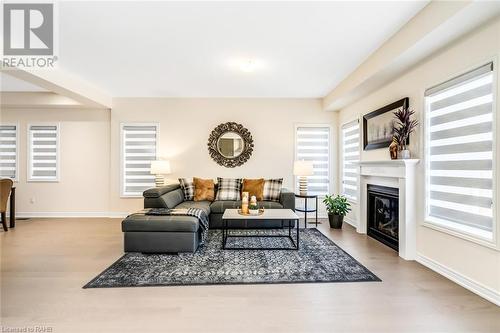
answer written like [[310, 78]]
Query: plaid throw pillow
[[187, 187], [228, 189], [272, 189]]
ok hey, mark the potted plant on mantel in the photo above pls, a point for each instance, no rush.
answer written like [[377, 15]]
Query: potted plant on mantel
[[403, 128], [337, 207]]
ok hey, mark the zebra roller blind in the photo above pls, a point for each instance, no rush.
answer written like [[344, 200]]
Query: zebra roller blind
[[43, 152], [313, 144], [138, 146], [350, 153], [8, 151], [459, 164]]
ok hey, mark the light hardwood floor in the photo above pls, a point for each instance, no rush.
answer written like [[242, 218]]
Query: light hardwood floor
[[45, 263]]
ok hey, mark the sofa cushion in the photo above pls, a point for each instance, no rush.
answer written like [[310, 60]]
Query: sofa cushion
[[218, 207], [141, 222], [157, 192], [228, 189], [272, 189], [187, 187], [173, 198], [203, 205], [254, 187], [204, 189]]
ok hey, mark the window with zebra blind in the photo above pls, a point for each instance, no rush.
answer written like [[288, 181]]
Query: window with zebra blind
[[43, 152], [460, 156], [138, 149], [350, 154], [313, 144], [8, 151]]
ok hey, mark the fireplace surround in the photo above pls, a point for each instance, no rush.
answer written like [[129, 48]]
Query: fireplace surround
[[400, 175]]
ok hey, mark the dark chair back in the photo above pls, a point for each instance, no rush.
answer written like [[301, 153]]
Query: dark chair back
[[5, 188]]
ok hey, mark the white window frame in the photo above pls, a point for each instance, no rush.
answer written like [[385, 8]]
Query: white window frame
[[455, 229], [29, 163], [16, 179], [354, 201], [330, 154], [122, 154]]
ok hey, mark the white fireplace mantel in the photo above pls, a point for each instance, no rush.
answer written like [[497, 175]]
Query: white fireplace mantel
[[401, 175]]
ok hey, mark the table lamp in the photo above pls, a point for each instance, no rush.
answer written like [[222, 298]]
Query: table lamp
[[160, 168], [302, 169]]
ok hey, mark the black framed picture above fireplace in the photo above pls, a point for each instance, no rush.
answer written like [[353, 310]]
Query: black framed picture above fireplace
[[378, 125]]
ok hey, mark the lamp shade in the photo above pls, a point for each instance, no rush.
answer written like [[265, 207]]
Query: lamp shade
[[303, 168], [160, 168]]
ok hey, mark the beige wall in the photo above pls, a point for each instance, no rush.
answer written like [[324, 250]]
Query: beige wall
[[475, 262], [84, 163], [90, 142], [185, 125]]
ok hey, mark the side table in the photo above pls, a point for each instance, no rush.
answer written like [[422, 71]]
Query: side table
[[305, 210], [13, 207]]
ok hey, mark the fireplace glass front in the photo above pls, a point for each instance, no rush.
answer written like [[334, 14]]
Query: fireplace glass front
[[383, 215]]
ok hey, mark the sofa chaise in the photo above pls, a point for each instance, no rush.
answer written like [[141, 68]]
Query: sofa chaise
[[166, 234]]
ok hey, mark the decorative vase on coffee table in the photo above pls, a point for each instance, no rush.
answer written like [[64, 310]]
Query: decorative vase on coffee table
[[253, 203], [244, 202]]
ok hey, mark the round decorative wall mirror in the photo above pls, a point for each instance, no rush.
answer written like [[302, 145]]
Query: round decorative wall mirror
[[230, 144]]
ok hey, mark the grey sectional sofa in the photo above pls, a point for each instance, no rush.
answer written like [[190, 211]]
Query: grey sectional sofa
[[160, 234]]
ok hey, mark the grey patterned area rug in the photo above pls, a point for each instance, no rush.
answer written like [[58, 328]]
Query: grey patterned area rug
[[318, 260]]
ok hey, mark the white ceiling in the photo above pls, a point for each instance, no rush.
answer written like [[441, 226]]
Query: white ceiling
[[194, 49]]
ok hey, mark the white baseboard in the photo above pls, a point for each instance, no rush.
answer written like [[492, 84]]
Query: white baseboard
[[70, 214], [311, 216], [474, 286], [351, 222], [112, 215]]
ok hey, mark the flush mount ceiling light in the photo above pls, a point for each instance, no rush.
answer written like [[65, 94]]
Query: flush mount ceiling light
[[248, 66]]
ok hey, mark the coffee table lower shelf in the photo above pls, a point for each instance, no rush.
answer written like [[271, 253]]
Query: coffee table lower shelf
[[295, 242], [268, 215]]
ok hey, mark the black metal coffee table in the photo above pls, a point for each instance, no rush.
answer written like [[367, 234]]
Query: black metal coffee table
[[269, 214]]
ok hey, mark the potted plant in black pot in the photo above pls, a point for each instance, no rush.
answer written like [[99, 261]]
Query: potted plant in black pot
[[404, 127], [337, 207]]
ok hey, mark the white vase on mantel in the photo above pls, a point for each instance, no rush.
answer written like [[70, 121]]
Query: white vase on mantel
[[404, 154]]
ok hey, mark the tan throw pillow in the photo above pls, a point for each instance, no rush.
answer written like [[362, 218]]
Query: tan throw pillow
[[254, 187], [204, 189]]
